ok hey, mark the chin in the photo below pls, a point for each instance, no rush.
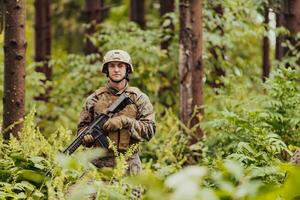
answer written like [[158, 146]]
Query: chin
[[114, 79]]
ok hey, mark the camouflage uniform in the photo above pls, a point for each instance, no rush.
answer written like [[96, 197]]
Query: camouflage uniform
[[140, 122], [295, 159]]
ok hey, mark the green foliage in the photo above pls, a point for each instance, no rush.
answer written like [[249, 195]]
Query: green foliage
[[166, 151], [232, 33], [23, 166], [283, 106], [229, 180], [289, 188], [154, 70], [239, 133], [248, 125], [68, 32], [147, 55], [255, 130], [74, 70], [70, 72]]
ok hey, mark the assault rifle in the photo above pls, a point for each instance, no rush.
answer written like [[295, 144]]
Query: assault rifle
[[96, 127]]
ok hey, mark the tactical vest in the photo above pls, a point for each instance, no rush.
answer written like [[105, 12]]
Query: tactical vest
[[120, 138]]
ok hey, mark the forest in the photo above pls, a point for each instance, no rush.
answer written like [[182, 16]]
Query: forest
[[223, 77]]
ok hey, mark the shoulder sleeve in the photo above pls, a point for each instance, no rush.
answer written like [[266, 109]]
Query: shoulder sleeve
[[142, 101], [87, 113], [143, 128], [145, 108]]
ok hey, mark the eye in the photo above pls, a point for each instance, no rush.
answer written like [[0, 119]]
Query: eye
[[121, 65]]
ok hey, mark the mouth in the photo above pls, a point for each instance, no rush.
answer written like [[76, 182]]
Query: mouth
[[116, 76]]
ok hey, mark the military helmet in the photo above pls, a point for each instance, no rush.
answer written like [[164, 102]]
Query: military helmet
[[116, 55]]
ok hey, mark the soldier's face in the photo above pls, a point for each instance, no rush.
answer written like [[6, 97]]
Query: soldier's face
[[116, 70]]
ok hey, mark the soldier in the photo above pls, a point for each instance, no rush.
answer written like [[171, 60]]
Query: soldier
[[135, 123]]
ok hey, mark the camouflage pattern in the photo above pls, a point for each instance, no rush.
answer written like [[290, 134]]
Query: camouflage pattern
[[134, 165], [116, 55], [296, 158], [138, 120]]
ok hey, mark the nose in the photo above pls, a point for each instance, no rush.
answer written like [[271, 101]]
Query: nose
[[116, 68]]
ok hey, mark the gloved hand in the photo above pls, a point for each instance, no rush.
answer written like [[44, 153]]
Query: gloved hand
[[117, 123], [88, 140]]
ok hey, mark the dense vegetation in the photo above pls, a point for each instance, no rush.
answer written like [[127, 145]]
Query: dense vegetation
[[251, 127]]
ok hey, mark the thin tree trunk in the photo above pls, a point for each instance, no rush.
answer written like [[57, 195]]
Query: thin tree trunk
[[190, 64], [137, 12], [43, 42], [14, 68], [266, 47], [93, 16], [167, 6], [290, 12], [279, 38]]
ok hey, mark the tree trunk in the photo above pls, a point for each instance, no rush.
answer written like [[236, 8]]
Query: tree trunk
[[43, 42], [137, 12], [190, 64], [93, 16], [292, 15], [266, 47], [279, 38], [167, 6], [289, 16], [14, 68]]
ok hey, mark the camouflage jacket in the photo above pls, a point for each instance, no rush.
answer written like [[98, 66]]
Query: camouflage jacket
[[295, 159], [143, 127]]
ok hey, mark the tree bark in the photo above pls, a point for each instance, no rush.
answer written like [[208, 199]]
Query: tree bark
[[190, 64], [43, 42], [14, 67], [289, 16], [292, 15], [167, 6], [266, 47], [137, 12], [93, 16], [279, 38]]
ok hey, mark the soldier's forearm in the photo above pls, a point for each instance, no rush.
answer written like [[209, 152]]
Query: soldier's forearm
[[142, 130]]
